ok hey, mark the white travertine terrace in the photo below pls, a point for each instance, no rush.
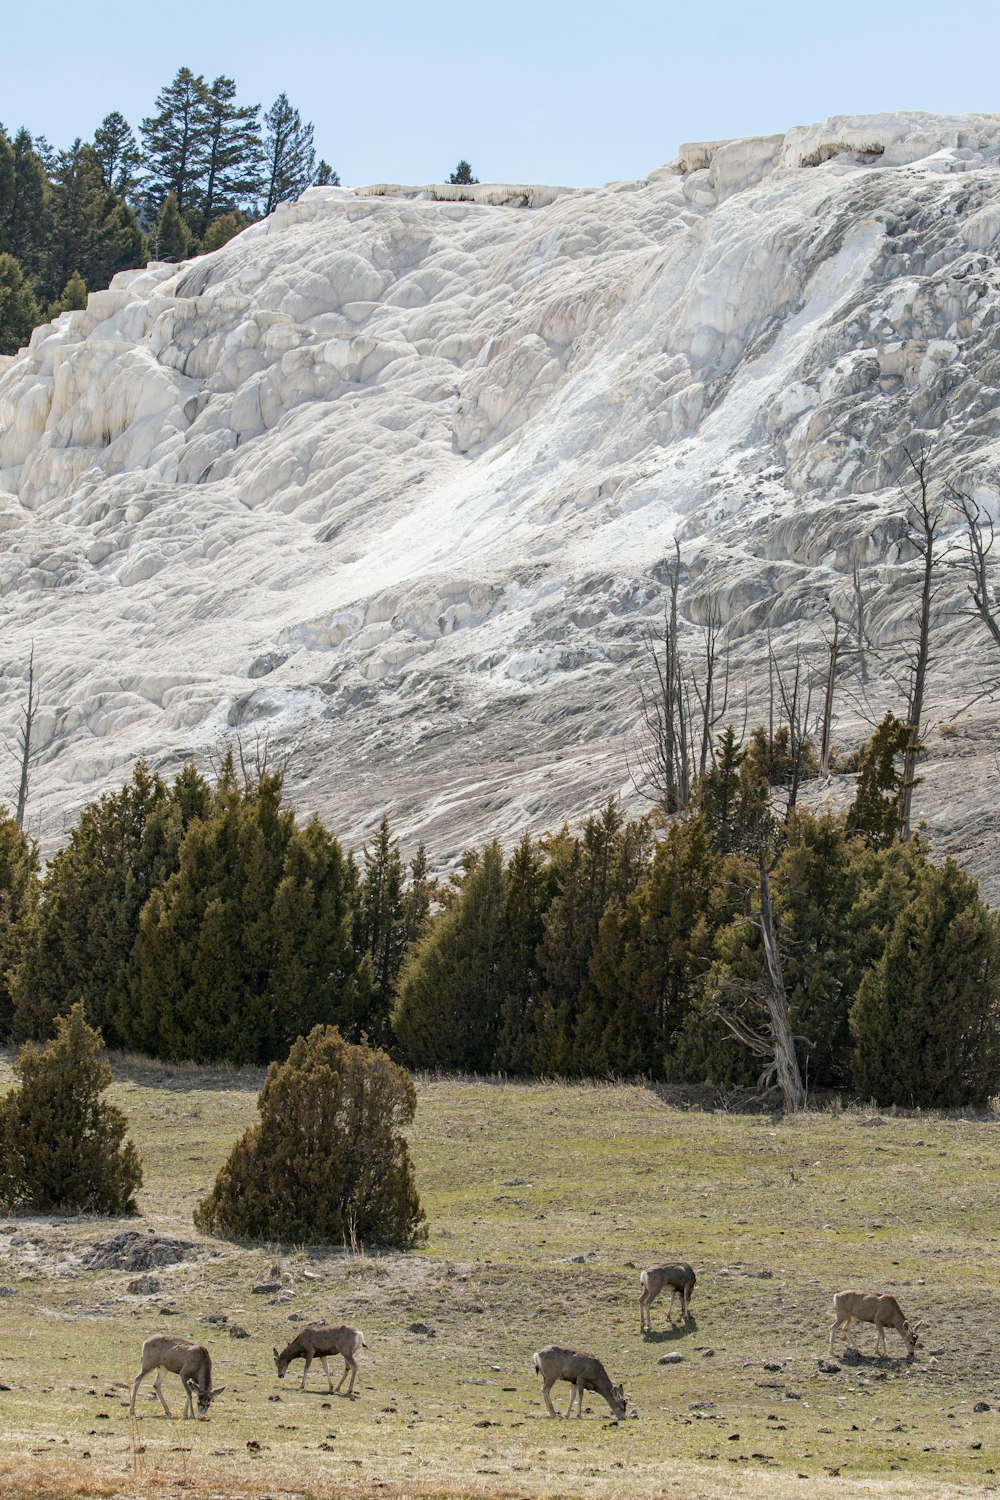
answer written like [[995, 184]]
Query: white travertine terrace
[[393, 475]]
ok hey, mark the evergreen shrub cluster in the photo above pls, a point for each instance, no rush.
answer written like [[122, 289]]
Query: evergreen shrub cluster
[[61, 1145], [203, 922], [328, 1161]]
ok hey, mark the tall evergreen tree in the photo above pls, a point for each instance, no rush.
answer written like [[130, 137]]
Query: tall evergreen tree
[[232, 152], [172, 237], [381, 924], [18, 901], [448, 1010], [603, 864], [289, 157], [926, 1022], [98, 233], [80, 946], [19, 312], [528, 890], [26, 224], [249, 943], [119, 156], [462, 174], [326, 176], [175, 147]]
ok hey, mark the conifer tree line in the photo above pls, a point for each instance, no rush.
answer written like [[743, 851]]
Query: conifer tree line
[[201, 920], [200, 168]]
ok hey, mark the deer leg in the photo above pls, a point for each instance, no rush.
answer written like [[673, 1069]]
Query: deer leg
[[576, 1394], [157, 1383], [305, 1372], [838, 1324], [642, 1311], [135, 1389], [190, 1387], [880, 1339], [673, 1299], [650, 1299], [349, 1364], [548, 1399]]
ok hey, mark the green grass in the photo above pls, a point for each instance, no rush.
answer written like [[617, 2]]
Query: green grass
[[518, 1181]]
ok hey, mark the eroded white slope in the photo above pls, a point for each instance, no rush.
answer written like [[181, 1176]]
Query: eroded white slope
[[394, 477]]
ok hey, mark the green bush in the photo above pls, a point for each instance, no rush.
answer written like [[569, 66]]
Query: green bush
[[327, 1164], [61, 1146]]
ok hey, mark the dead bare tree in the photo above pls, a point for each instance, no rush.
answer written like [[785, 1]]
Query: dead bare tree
[[833, 657], [24, 750], [756, 1011], [979, 538], [923, 518], [666, 760], [795, 695]]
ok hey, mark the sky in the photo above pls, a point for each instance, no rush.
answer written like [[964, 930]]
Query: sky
[[574, 94]]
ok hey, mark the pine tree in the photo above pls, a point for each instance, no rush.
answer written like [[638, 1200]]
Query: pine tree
[[926, 1022], [528, 890], [326, 176], [61, 1145], [81, 945], [463, 174], [172, 237], [18, 902], [175, 149], [221, 231], [289, 157], [232, 164], [328, 1163], [604, 864], [74, 297], [876, 812], [19, 312], [448, 1007], [98, 233], [382, 925], [250, 940], [119, 156], [26, 224], [817, 882], [653, 953]]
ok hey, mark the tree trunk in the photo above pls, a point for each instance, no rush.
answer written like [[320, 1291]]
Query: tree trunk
[[786, 1063]]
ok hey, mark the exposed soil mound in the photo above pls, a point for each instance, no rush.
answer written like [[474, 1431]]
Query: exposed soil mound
[[135, 1251]]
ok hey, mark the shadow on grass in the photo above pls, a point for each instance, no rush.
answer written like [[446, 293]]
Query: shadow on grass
[[672, 1332]]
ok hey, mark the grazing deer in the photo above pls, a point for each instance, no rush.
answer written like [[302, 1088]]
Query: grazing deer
[[871, 1307], [192, 1362], [316, 1341], [584, 1373], [679, 1278]]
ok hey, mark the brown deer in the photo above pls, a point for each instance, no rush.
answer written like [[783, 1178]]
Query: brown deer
[[316, 1341], [678, 1277], [871, 1307], [192, 1362], [583, 1372]]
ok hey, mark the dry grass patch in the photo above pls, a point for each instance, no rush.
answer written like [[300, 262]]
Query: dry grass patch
[[544, 1201]]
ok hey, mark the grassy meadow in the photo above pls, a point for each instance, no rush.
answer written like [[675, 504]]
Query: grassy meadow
[[544, 1201]]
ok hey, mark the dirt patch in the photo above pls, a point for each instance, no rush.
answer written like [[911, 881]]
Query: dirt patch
[[136, 1251]]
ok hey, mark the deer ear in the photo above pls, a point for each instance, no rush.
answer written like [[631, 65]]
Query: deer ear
[[274, 1351], [217, 1391]]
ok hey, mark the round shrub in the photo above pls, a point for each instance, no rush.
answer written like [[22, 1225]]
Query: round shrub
[[327, 1164], [61, 1145]]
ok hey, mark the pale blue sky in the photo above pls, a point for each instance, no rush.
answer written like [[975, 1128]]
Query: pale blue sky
[[541, 92]]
